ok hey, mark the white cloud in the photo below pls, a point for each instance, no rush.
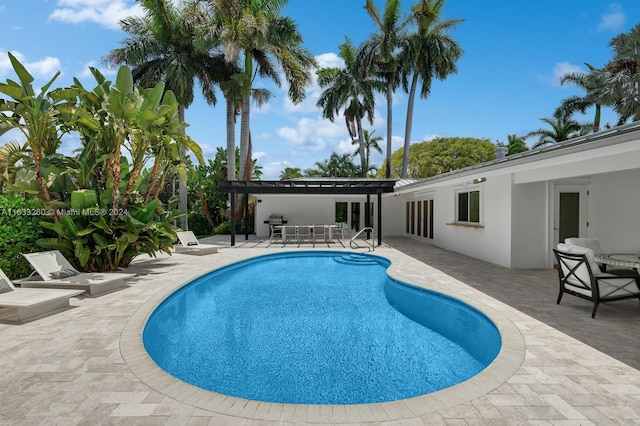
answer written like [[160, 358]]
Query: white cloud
[[559, 70], [107, 13], [613, 20], [44, 68]]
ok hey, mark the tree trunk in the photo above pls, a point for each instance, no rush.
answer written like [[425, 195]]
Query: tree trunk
[[364, 160], [231, 139], [205, 208], [409, 125], [244, 135], [182, 187]]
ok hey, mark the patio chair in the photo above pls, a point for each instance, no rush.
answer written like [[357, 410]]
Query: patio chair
[[191, 245], [576, 266], [276, 232], [31, 302], [53, 270], [594, 244], [338, 230]]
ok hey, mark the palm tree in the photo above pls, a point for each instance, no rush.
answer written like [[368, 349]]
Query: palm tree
[[335, 166], [562, 128], [290, 173], [163, 48], [618, 83], [370, 143], [516, 145], [431, 52], [580, 104], [256, 29], [379, 54], [349, 88]]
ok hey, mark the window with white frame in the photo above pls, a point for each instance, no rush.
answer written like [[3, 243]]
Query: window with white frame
[[468, 206]]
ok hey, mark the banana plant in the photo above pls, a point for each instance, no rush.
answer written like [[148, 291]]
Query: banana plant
[[35, 115]]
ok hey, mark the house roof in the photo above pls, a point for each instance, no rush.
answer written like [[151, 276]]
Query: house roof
[[576, 144], [309, 186]]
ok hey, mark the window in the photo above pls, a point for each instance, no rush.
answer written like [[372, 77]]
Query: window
[[469, 206]]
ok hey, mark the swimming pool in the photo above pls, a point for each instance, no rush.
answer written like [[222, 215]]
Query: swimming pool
[[317, 328]]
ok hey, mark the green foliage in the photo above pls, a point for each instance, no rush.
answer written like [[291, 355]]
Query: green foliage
[[105, 207], [93, 243], [441, 155], [19, 231], [198, 224], [225, 228]]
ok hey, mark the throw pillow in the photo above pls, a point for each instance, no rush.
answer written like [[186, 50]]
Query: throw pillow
[[64, 273]]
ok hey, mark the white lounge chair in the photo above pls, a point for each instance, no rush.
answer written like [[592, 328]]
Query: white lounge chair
[[31, 302], [54, 271], [191, 245]]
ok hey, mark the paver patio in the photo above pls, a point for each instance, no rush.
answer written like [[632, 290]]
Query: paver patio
[[68, 368]]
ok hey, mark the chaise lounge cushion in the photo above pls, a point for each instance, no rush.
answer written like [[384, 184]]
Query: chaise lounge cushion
[[573, 249]]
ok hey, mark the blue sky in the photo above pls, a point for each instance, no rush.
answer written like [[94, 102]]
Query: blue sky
[[508, 77]]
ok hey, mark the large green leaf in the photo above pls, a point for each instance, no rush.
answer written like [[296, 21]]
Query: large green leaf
[[82, 253], [57, 227], [64, 246], [124, 80], [69, 226], [21, 71]]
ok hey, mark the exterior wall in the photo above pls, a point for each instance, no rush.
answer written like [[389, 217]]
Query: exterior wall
[[530, 239], [295, 209], [491, 241], [318, 209], [614, 210]]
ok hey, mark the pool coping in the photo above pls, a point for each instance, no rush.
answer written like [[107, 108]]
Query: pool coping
[[508, 361]]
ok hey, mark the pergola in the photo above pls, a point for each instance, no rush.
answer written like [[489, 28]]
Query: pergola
[[329, 186]]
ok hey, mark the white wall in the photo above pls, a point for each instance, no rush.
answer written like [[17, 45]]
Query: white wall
[[614, 211], [530, 246]]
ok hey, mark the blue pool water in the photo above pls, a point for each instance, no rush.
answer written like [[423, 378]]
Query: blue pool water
[[317, 328]]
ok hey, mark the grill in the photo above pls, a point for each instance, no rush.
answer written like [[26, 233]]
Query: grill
[[275, 220]]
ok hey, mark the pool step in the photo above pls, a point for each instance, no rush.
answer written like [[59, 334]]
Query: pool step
[[355, 259]]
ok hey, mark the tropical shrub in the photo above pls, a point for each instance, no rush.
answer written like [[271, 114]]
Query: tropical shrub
[[199, 224], [19, 230], [105, 206]]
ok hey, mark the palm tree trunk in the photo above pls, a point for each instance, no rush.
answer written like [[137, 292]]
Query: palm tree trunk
[[389, 126], [231, 139], [182, 187], [409, 124], [364, 160], [244, 135], [596, 119]]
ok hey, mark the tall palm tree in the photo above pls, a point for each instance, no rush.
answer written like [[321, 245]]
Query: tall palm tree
[[580, 104], [431, 52], [267, 42], [618, 83], [379, 53], [352, 89], [562, 128], [163, 47], [370, 142]]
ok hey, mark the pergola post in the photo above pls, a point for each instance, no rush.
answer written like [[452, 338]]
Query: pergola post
[[232, 219], [379, 218]]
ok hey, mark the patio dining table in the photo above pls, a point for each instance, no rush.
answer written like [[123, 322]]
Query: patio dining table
[[312, 231], [620, 260]]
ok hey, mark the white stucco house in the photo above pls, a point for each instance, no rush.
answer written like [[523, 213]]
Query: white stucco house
[[510, 211]]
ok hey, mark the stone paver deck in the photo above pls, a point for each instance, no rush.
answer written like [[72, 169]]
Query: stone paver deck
[[83, 365]]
